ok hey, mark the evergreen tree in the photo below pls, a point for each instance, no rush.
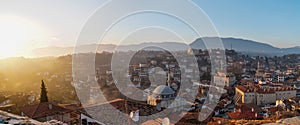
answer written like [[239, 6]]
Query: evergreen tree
[[43, 97]]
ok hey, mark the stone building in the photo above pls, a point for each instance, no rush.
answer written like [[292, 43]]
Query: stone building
[[262, 94]]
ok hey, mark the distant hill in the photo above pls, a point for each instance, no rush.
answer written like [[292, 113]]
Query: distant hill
[[247, 46], [58, 51], [241, 45]]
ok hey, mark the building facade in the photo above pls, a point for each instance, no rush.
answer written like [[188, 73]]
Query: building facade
[[262, 94]]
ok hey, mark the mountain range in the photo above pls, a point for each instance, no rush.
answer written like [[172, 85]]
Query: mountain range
[[244, 46]]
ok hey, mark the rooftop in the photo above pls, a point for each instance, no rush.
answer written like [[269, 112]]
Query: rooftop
[[163, 90], [264, 89], [43, 109], [8, 118]]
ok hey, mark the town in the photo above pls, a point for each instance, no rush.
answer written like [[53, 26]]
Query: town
[[256, 89]]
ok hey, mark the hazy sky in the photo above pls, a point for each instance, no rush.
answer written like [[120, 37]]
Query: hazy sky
[[58, 22]]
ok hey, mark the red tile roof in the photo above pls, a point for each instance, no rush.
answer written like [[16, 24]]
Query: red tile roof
[[273, 110], [244, 115], [246, 112], [245, 88], [265, 91], [259, 89], [44, 109]]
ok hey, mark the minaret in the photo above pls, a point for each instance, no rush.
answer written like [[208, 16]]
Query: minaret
[[258, 64], [169, 78], [257, 71]]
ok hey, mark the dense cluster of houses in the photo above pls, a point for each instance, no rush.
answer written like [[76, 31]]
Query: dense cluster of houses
[[255, 88]]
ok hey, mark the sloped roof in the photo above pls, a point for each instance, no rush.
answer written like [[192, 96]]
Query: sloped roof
[[246, 115], [163, 90], [246, 112], [44, 109]]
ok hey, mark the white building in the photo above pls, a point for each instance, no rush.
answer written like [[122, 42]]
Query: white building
[[259, 95], [227, 78]]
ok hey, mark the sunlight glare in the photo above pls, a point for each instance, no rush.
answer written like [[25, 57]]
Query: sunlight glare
[[15, 35]]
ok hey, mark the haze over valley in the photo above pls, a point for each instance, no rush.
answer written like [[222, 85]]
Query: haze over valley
[[248, 47]]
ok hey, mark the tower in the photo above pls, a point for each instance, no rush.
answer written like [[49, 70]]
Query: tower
[[257, 67], [258, 70], [169, 78]]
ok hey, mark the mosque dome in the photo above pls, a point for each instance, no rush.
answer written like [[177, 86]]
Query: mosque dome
[[163, 90]]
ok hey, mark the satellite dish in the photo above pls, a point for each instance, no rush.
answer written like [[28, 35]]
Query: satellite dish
[[136, 116], [165, 121]]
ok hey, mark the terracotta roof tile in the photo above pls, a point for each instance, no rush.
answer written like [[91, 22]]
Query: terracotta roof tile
[[43, 109]]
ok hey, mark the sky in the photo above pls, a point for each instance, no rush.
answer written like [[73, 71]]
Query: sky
[[269, 21], [58, 22]]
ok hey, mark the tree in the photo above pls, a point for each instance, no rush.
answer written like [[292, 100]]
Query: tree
[[43, 97], [206, 76]]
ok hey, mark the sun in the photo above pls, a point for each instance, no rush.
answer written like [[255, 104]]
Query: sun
[[15, 34]]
